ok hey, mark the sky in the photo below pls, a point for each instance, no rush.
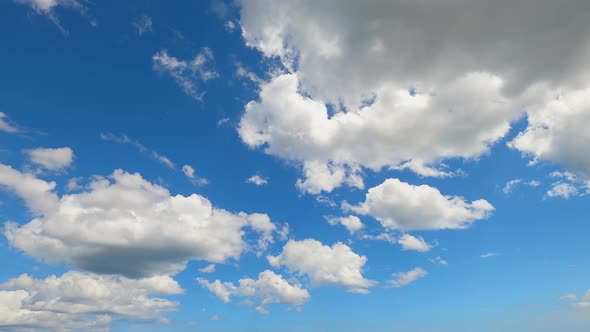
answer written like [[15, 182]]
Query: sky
[[259, 165]]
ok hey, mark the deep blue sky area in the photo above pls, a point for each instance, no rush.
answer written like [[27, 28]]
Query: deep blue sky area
[[173, 94]]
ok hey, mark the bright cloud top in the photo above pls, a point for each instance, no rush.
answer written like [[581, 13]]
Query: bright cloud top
[[126, 225], [50, 158]]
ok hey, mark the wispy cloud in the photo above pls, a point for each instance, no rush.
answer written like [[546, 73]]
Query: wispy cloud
[[124, 139]]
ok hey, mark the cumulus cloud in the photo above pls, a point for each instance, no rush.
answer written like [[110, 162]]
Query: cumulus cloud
[[5, 125], [82, 300], [126, 225], [324, 265], [51, 159], [409, 242], [567, 185], [402, 279], [399, 205], [352, 223], [257, 180], [269, 288], [188, 74]]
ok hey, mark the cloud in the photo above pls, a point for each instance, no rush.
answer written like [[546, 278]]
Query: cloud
[[564, 190], [409, 242], [399, 205], [269, 288], [257, 180], [208, 269], [124, 139], [82, 300], [187, 74], [352, 223], [51, 159], [438, 261], [402, 279], [5, 126], [510, 185], [568, 185], [47, 8], [396, 130], [126, 225], [571, 297], [324, 265], [488, 255], [558, 124], [189, 171], [143, 24]]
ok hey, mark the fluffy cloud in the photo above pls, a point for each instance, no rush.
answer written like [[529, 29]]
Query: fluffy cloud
[[269, 288], [126, 225], [399, 205], [81, 300], [324, 265], [5, 126], [409, 242], [510, 185], [403, 84], [51, 159], [257, 180], [187, 74], [402, 279], [397, 130], [352, 223], [189, 172]]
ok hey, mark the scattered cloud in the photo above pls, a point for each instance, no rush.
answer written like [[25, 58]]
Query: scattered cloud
[[257, 180], [568, 185], [143, 24], [402, 279], [189, 75], [124, 139], [510, 185], [6, 126], [53, 159], [269, 288], [208, 269], [189, 171], [48, 7], [352, 223], [400, 205], [324, 265], [570, 297], [438, 261], [488, 255], [409, 242]]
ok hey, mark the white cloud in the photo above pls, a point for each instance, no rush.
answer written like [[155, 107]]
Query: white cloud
[[143, 24], [187, 74], [352, 223], [257, 180], [409, 242], [557, 129], [324, 265], [438, 261], [488, 255], [82, 300], [208, 269], [564, 190], [402, 279], [189, 171], [269, 288], [397, 130], [51, 159], [126, 225], [5, 126], [571, 297], [47, 8], [510, 185], [399, 205]]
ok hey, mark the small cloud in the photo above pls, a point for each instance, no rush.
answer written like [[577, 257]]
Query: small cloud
[[5, 125], [257, 180], [488, 255], [563, 189], [438, 261], [569, 297], [189, 171], [208, 269], [51, 159], [352, 223], [512, 184], [143, 24], [409, 242], [74, 184], [222, 121], [230, 26], [47, 9], [405, 278]]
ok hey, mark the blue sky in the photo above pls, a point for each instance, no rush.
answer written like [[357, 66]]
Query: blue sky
[[295, 166]]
